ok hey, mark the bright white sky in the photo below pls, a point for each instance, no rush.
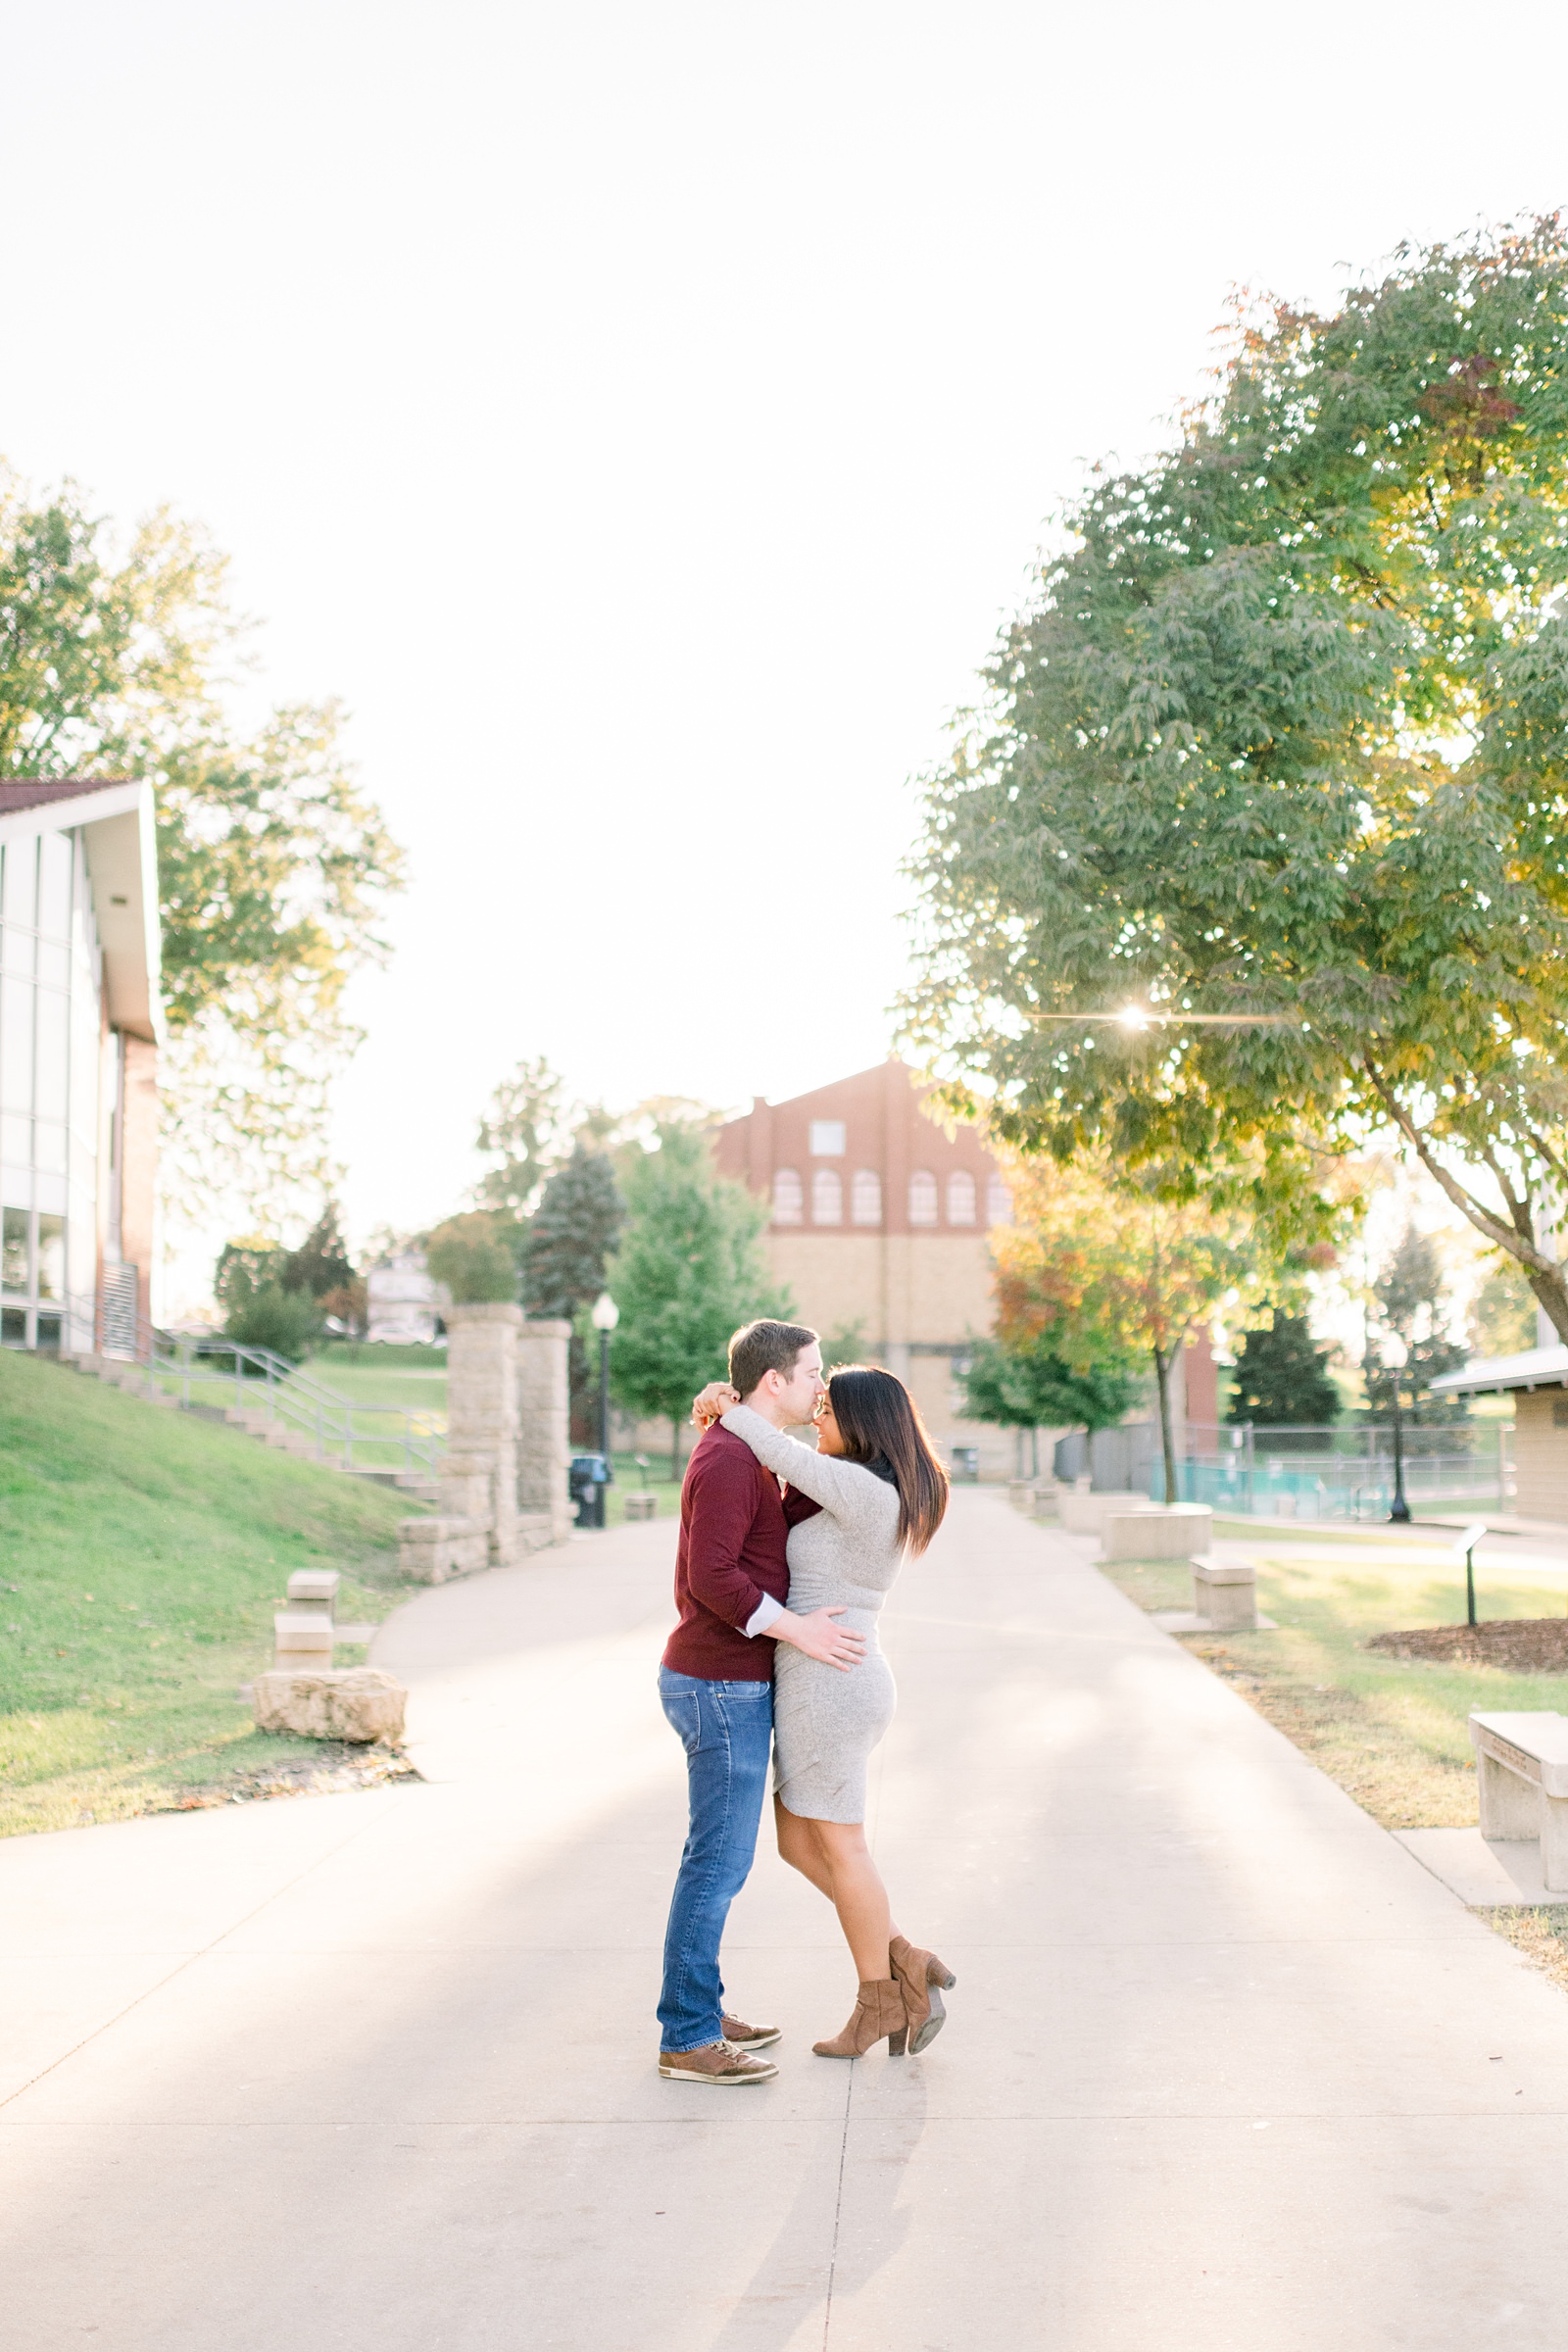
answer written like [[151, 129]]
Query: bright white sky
[[645, 416]]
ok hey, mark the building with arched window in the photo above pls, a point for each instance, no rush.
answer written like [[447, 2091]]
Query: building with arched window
[[907, 1280]]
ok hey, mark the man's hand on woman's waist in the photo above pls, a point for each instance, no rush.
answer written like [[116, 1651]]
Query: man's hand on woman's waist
[[819, 1638]]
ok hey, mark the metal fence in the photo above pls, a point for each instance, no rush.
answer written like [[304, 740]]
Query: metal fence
[[1343, 1472]]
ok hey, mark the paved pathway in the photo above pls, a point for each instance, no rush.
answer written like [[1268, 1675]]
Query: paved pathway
[[1226, 2068]]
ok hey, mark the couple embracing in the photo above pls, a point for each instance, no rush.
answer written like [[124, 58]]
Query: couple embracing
[[786, 1555]]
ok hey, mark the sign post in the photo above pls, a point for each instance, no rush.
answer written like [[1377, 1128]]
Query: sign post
[[1467, 1544]]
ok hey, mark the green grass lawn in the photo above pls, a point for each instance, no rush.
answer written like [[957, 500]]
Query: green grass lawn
[[629, 1478], [1391, 1731], [414, 1379], [143, 1553]]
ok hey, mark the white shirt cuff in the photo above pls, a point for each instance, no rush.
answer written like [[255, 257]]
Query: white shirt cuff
[[763, 1616]]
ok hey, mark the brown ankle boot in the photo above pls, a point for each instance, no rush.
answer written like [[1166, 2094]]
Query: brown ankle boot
[[917, 1975], [878, 2010]]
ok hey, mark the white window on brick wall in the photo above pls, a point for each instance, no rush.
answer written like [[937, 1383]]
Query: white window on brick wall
[[827, 1138], [922, 1198], [789, 1201], [827, 1198], [865, 1197], [961, 1198], [999, 1202]]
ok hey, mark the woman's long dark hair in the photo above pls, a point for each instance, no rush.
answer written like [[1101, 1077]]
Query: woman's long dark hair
[[881, 1426]]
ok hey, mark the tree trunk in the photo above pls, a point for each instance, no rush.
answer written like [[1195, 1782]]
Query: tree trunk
[[1163, 1362], [674, 1450]]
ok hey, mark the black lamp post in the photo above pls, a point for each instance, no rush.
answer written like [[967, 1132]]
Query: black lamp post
[[1395, 1356], [606, 1315]]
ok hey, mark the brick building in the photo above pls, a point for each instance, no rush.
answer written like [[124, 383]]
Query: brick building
[[881, 1220], [78, 1063]]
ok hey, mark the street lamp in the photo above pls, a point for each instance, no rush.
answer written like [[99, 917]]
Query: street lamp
[[1396, 1355], [606, 1315]]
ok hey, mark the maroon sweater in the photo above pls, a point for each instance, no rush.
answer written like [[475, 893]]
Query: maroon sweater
[[734, 1525]]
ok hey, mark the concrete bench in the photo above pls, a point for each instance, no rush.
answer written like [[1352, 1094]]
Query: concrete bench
[[1225, 1594], [1176, 1533], [642, 1506], [1021, 1495], [1082, 1514], [1522, 1764]]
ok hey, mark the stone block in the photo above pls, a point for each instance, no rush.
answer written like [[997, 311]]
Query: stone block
[[543, 1444], [303, 1633], [359, 1703], [432, 1550], [642, 1506], [1081, 1513], [1176, 1534], [312, 1591], [466, 1484], [1225, 1594], [1021, 1495]]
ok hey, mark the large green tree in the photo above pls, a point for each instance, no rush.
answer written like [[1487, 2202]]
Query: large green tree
[[1284, 740], [1026, 1385], [274, 866], [689, 1270]]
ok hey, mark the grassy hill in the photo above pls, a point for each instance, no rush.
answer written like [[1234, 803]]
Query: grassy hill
[[143, 1553]]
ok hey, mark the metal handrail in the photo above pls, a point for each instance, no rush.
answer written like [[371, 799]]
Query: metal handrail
[[285, 1393]]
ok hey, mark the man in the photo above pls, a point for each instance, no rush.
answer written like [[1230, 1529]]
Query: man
[[732, 1581]]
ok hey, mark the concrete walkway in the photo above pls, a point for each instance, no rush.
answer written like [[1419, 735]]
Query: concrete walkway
[[1225, 2067]]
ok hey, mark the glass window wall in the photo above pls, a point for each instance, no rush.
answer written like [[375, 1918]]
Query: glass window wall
[[49, 1053]]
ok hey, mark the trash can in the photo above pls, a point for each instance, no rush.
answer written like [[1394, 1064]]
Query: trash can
[[587, 1477]]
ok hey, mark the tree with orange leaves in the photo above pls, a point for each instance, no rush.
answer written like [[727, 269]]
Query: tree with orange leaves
[[1109, 1269]]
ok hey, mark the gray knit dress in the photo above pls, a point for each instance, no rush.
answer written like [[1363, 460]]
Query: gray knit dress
[[826, 1721]]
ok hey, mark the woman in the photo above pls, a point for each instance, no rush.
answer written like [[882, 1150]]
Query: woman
[[878, 1492]]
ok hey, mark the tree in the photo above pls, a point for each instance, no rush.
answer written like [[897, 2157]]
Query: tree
[[1410, 1300], [274, 866], [689, 1270], [526, 1134], [1281, 1378], [472, 1255], [567, 1246], [1502, 1320], [1098, 1269], [322, 1264], [1028, 1386], [1283, 738]]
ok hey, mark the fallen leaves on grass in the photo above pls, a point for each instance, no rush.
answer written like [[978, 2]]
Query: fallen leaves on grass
[[1518, 1644], [1399, 1781], [338, 1769], [1541, 1933]]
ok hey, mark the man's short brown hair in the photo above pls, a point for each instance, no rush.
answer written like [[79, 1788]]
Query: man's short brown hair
[[758, 1347]]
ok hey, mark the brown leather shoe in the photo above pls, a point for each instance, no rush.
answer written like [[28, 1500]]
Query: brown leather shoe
[[749, 2038], [717, 2064], [919, 1974], [878, 2010]]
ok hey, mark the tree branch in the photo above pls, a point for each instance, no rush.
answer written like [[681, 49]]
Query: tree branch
[[1464, 1202]]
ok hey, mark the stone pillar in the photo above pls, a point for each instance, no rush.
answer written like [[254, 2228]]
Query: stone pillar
[[545, 1443], [479, 1476]]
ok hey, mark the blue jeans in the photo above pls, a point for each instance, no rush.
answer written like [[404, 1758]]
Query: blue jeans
[[726, 1729]]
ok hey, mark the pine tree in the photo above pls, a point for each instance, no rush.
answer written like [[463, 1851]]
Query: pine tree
[[321, 1263], [1282, 1380], [1412, 1301], [567, 1244]]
